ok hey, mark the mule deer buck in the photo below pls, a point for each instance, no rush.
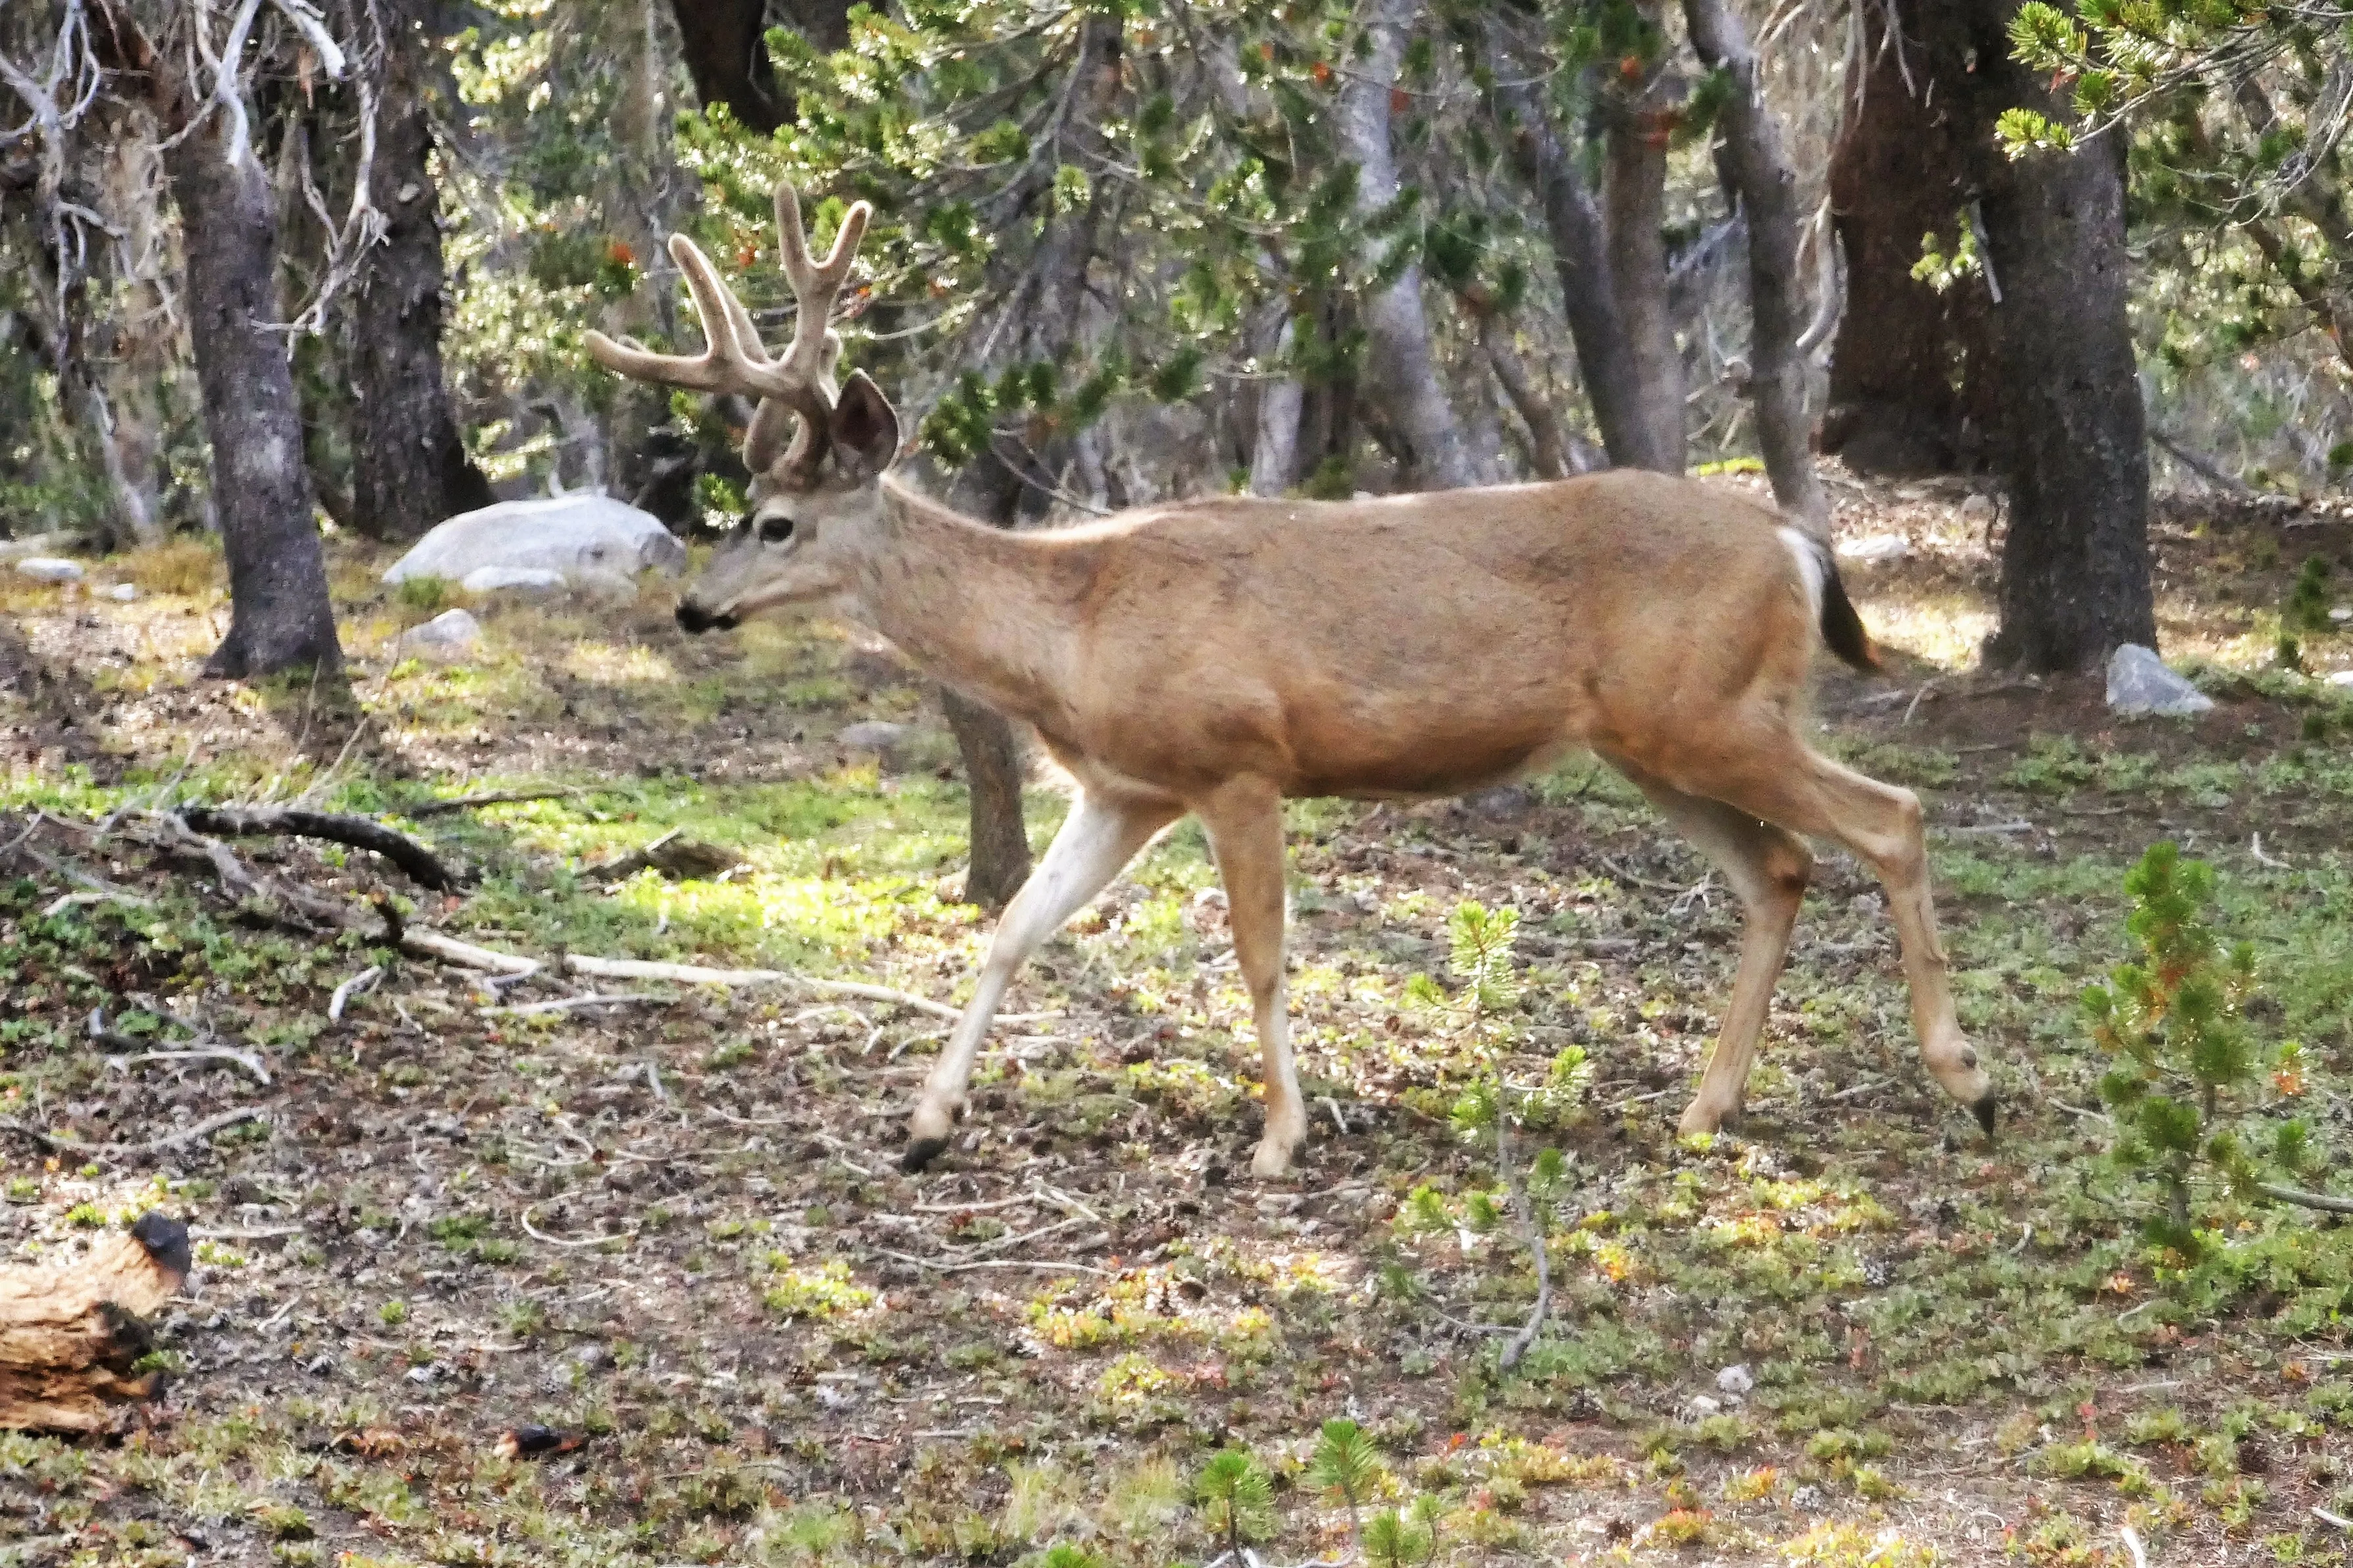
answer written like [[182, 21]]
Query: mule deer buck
[[1216, 657]]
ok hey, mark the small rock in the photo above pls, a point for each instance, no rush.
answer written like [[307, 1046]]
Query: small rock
[[1703, 1405], [2138, 682], [121, 593], [1878, 547], [2341, 614], [49, 569], [2341, 678], [872, 735], [1807, 1500], [530, 582], [450, 632], [1977, 506], [1737, 1380], [424, 1374]]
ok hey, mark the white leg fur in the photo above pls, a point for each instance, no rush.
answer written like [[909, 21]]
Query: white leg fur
[[1096, 842]]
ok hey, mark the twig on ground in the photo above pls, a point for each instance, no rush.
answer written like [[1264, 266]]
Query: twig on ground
[[465, 954], [2256, 847], [204, 1128], [2018, 825], [246, 1059], [357, 985], [566, 1003], [421, 864], [697, 974], [538, 1235], [2339, 1520], [654, 1082], [952, 1267], [498, 798], [1917, 698], [2132, 1544]]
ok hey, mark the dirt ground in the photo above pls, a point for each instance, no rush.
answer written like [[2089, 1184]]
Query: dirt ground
[[642, 1283]]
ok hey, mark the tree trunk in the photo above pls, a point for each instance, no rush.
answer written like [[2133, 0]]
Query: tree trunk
[[280, 613], [992, 769], [1755, 165], [1397, 331], [1050, 308], [1580, 254], [1547, 449], [409, 466], [1634, 209], [727, 51], [1900, 366], [1275, 452], [2074, 564]]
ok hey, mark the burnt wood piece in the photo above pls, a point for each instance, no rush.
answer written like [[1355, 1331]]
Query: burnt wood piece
[[72, 1334]]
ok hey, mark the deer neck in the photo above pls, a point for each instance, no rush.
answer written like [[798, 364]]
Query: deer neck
[[971, 605]]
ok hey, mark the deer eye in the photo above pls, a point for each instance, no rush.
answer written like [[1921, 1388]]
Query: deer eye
[[775, 530]]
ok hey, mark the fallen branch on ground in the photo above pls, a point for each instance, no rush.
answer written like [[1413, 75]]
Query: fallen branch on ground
[[71, 1336], [117, 1152], [2324, 1201], [358, 984], [469, 802], [566, 1003], [1047, 1263], [422, 865], [696, 974]]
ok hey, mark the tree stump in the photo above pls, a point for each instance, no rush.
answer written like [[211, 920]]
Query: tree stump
[[71, 1335]]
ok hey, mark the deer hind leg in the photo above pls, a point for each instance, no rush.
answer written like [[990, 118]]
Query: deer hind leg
[[1768, 868], [1245, 822], [1099, 838], [1788, 782]]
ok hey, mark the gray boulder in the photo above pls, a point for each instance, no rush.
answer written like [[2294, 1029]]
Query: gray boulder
[[2138, 682], [871, 735], [446, 635], [49, 569], [569, 535], [529, 582]]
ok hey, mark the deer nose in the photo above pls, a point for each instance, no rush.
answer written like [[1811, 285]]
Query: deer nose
[[695, 619]]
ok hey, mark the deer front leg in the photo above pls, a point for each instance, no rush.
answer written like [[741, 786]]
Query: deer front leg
[[1099, 838], [1768, 869], [1245, 822]]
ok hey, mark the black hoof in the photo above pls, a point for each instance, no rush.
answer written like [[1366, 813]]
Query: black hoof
[[922, 1152], [1988, 1112]]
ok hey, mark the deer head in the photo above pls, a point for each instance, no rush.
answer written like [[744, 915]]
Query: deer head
[[811, 496]]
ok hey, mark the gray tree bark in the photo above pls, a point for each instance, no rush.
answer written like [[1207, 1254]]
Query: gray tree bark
[[1754, 164], [1437, 456], [1274, 454], [1634, 210], [1581, 254], [409, 466], [279, 614], [2074, 564]]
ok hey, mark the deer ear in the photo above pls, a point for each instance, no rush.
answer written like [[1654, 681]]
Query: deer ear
[[865, 427]]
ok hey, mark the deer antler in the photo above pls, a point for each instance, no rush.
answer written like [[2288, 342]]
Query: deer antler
[[800, 382]]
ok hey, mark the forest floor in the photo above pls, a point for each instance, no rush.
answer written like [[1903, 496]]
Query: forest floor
[[675, 1230]]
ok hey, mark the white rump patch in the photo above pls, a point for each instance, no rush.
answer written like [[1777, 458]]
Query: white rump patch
[[1809, 556]]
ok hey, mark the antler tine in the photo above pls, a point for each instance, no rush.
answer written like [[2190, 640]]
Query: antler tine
[[809, 359], [734, 360]]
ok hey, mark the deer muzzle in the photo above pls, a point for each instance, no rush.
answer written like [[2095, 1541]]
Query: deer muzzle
[[695, 619]]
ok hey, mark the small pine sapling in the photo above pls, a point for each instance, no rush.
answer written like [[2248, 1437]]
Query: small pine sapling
[[1237, 1499], [1494, 1108], [2307, 602], [1347, 1465], [1406, 1539], [2186, 1065]]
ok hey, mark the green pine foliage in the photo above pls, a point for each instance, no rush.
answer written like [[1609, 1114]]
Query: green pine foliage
[[1237, 1499], [2187, 1065]]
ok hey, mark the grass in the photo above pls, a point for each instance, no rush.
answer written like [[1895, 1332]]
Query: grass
[[455, 1224]]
